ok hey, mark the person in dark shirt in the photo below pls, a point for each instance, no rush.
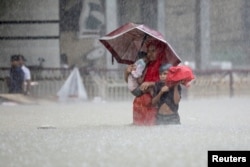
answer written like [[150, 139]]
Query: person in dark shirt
[[16, 76], [166, 98]]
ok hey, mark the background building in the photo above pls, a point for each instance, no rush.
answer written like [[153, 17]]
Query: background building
[[31, 28], [49, 29]]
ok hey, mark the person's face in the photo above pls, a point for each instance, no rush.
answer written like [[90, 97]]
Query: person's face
[[151, 53], [15, 63], [163, 75]]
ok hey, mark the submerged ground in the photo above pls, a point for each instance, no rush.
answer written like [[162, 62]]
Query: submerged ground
[[99, 134]]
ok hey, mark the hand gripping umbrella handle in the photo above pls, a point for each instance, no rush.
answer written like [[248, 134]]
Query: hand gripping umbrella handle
[[142, 43]]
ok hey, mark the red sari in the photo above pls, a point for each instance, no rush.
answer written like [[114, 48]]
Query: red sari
[[143, 111]]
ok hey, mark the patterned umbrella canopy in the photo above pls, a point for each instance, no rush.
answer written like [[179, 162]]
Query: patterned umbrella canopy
[[125, 42]]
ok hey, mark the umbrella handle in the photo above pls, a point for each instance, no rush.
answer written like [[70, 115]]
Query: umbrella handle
[[143, 40]]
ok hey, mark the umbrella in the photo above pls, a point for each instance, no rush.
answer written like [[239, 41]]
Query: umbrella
[[125, 42]]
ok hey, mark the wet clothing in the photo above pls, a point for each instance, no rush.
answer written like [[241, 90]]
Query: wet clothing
[[26, 70], [16, 80], [167, 98], [135, 74], [137, 92], [143, 111], [167, 119]]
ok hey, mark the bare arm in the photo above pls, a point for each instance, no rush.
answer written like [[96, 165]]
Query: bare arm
[[177, 96], [146, 85], [126, 75], [127, 71], [156, 99], [27, 87]]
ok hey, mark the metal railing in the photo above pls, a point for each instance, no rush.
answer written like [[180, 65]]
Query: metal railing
[[110, 85], [221, 83]]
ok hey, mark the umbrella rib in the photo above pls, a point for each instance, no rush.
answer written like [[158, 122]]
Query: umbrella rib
[[128, 47]]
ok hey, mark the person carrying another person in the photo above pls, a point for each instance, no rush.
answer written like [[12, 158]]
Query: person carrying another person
[[27, 75], [144, 113], [136, 73]]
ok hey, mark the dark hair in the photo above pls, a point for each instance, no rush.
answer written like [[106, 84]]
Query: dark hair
[[142, 54], [14, 58], [164, 67]]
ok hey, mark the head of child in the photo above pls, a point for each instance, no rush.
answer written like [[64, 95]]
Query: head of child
[[143, 55], [163, 71]]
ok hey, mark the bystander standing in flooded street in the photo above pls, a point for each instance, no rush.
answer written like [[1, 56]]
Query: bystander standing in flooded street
[[27, 75], [16, 77]]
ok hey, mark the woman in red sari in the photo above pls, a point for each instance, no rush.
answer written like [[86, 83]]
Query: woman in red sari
[[143, 111]]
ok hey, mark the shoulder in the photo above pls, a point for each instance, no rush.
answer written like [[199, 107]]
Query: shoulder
[[20, 70], [25, 69]]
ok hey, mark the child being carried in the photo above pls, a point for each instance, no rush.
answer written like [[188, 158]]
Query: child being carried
[[139, 66]]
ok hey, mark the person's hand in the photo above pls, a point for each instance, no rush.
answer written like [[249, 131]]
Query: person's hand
[[128, 71], [182, 82], [130, 68], [145, 85], [164, 89], [140, 80]]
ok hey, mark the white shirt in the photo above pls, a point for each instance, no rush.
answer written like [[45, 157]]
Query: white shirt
[[26, 71], [135, 74]]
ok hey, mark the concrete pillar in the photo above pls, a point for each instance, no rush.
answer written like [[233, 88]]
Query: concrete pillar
[[111, 24], [202, 34], [161, 17]]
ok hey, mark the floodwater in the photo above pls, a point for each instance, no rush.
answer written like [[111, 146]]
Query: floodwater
[[99, 134]]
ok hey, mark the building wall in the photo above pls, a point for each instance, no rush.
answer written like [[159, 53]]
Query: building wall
[[180, 27], [228, 24], [77, 40], [75, 48], [229, 30], [31, 28]]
